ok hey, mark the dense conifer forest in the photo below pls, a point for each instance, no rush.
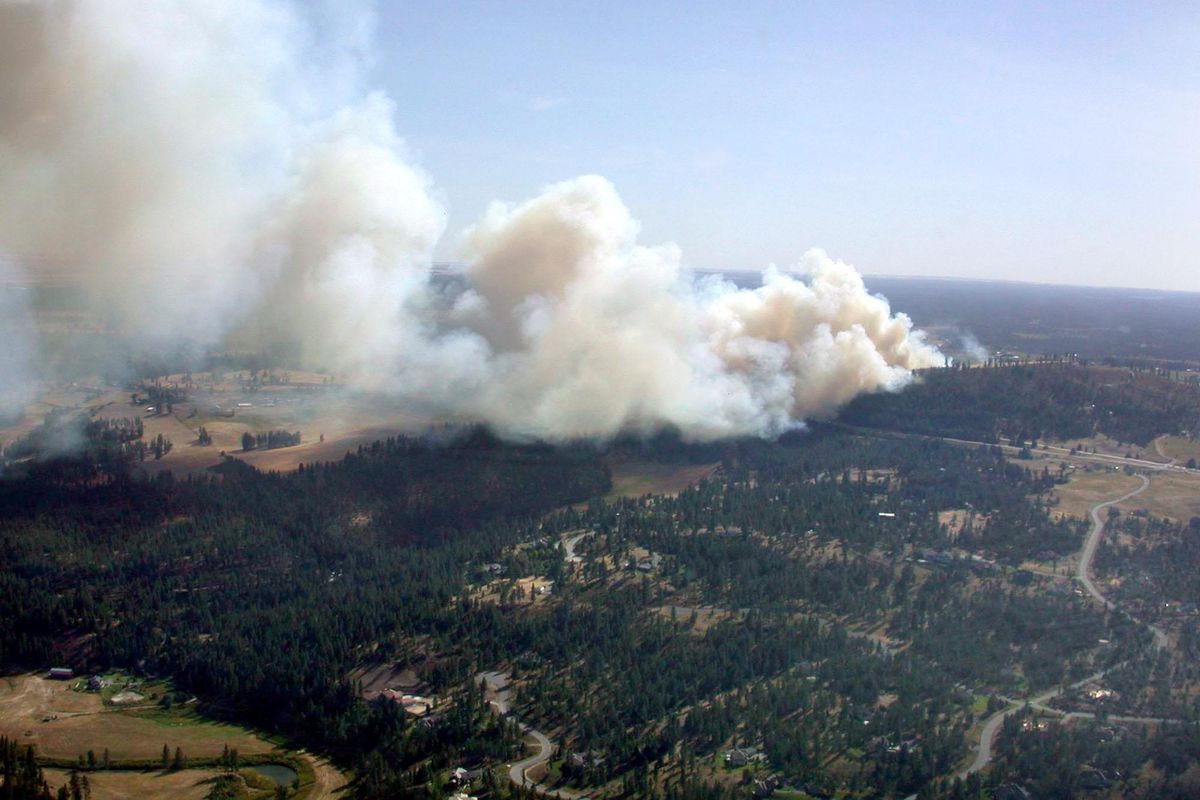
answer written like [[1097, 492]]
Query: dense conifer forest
[[845, 606], [1060, 399]]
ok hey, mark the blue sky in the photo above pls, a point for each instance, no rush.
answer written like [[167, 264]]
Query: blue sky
[[1046, 142]]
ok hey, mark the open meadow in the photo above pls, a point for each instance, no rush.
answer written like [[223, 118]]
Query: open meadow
[[1171, 494], [1087, 487], [188, 784], [63, 723], [635, 478]]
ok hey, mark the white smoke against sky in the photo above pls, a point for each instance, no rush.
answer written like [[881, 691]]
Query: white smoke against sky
[[972, 347], [596, 333], [214, 168], [193, 163]]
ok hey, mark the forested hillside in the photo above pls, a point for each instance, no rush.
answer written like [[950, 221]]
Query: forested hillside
[[1057, 399], [845, 607]]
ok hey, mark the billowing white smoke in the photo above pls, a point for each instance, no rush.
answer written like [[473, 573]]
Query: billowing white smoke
[[188, 159], [972, 347], [596, 333], [194, 161]]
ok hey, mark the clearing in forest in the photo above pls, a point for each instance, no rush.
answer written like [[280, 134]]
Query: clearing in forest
[[1171, 494], [1086, 488], [65, 723], [1179, 448], [188, 784], [636, 478]]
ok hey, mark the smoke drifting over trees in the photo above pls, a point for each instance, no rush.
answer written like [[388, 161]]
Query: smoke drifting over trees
[[215, 168]]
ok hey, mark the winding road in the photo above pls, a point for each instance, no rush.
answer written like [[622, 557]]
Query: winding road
[[1084, 568], [983, 755], [517, 771], [1083, 571]]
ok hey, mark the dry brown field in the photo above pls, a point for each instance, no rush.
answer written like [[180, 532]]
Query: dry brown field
[[188, 784], [1171, 494], [636, 478], [1179, 448], [63, 723], [1086, 488]]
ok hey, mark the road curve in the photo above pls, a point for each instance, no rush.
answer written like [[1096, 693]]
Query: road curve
[[517, 772], [987, 736], [992, 726], [1084, 567]]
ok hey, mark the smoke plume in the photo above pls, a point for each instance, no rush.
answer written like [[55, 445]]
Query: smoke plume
[[214, 168], [972, 347], [18, 356]]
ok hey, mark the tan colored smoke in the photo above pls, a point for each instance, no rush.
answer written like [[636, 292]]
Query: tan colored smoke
[[599, 334]]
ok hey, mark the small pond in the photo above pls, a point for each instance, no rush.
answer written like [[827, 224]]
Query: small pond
[[281, 775]]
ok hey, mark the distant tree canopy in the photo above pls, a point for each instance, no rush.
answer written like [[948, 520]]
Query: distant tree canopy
[[1025, 403], [269, 440]]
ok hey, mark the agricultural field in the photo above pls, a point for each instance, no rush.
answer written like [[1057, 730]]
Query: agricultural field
[[1104, 445]]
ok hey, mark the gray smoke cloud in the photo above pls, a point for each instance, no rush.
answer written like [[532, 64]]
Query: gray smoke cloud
[[972, 347], [19, 355], [213, 168]]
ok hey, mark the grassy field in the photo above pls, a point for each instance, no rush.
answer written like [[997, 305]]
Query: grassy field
[[196, 783], [636, 478], [1085, 489], [1171, 494], [64, 723], [188, 784], [1179, 448]]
